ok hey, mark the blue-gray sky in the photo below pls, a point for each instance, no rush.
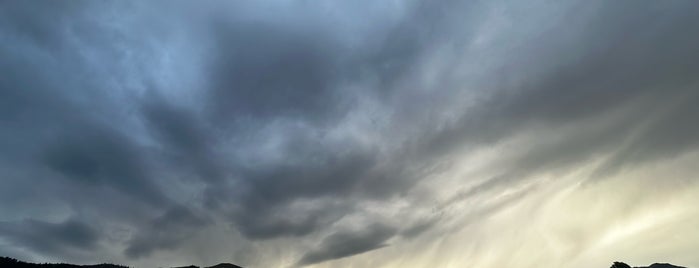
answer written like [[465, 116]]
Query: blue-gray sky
[[350, 133]]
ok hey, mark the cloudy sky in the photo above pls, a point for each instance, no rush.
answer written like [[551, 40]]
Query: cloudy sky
[[298, 133]]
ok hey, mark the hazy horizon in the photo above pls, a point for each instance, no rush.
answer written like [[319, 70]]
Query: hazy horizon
[[290, 133]]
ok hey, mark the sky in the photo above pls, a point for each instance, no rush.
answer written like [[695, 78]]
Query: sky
[[297, 133]]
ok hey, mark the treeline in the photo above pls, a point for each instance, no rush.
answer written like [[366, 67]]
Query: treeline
[[6, 262]]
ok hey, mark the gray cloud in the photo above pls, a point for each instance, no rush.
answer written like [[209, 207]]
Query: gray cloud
[[164, 232], [418, 228], [184, 140], [348, 243], [263, 71], [587, 74], [56, 239], [284, 120], [100, 156]]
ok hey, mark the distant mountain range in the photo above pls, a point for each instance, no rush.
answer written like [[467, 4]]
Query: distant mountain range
[[6, 262], [655, 265]]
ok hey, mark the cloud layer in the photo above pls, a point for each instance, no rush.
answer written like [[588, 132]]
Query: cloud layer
[[358, 134]]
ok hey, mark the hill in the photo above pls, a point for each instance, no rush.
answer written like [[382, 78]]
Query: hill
[[6, 262], [655, 265]]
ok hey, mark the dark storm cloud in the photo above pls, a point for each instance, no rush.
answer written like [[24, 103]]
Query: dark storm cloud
[[41, 24], [348, 243], [267, 68], [610, 57], [284, 221], [307, 171], [178, 128], [186, 140], [55, 239], [264, 71], [64, 141], [670, 133], [274, 72], [100, 156], [312, 174], [257, 145], [418, 228], [165, 232]]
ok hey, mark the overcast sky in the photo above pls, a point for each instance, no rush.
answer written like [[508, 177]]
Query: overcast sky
[[355, 133]]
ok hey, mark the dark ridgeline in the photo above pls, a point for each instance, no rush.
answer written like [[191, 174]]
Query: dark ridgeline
[[6, 262], [655, 265], [220, 265], [225, 265]]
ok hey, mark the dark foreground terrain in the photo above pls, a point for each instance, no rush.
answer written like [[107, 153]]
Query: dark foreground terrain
[[655, 265], [6, 262]]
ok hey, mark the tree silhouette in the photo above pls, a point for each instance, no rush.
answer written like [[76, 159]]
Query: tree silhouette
[[620, 265]]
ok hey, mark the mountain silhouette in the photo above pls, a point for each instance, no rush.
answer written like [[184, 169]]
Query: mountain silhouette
[[663, 265], [6, 262], [654, 265], [228, 265], [220, 265]]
